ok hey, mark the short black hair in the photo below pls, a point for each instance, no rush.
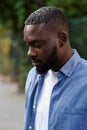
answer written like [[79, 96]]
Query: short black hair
[[50, 15]]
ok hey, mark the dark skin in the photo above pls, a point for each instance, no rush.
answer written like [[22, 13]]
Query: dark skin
[[47, 49]]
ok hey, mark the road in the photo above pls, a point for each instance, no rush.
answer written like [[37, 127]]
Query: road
[[11, 106]]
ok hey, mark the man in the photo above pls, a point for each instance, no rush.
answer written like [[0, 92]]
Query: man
[[56, 87]]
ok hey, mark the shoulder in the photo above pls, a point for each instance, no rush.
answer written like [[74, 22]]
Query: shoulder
[[31, 77], [83, 62], [80, 73], [83, 65], [32, 72]]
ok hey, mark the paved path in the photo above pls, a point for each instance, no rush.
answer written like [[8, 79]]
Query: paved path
[[11, 106]]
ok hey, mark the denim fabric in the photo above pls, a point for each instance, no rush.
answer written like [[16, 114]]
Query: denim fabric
[[68, 105]]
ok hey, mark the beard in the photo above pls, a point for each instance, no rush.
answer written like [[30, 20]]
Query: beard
[[51, 62]]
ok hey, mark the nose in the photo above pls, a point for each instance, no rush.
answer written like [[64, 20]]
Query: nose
[[31, 52]]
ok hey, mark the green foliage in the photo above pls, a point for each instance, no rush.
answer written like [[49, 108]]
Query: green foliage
[[78, 35], [73, 8], [14, 12], [17, 11], [20, 13]]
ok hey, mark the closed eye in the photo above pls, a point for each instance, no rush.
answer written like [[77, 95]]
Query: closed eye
[[36, 43]]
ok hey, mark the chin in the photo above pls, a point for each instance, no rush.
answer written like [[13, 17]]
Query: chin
[[41, 70]]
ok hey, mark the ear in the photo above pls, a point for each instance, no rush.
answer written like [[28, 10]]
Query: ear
[[62, 38]]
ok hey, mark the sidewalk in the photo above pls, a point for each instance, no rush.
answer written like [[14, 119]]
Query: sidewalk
[[11, 106]]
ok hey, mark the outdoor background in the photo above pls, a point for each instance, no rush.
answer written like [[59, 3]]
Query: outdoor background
[[13, 51], [14, 64]]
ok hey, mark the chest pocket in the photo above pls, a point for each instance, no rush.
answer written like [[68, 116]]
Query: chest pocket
[[72, 119]]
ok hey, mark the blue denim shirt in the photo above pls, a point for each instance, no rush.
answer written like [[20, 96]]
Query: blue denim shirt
[[68, 105]]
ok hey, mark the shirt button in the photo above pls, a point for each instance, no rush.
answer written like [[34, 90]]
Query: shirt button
[[34, 106], [30, 127]]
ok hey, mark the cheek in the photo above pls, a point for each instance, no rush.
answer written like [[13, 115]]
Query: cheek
[[45, 53]]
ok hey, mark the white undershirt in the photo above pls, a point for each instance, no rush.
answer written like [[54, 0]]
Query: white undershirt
[[42, 114]]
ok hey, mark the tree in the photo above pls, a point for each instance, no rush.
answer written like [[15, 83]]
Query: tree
[[14, 12]]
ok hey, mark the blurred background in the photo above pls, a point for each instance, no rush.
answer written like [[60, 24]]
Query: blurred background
[[14, 64], [13, 58]]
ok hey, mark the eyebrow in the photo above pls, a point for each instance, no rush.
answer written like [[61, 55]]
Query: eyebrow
[[31, 42]]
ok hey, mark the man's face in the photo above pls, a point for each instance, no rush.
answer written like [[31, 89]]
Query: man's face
[[42, 47]]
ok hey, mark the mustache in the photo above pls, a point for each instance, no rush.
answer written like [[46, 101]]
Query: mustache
[[35, 59]]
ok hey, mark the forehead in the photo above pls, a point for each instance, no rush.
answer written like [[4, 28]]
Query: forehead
[[36, 31]]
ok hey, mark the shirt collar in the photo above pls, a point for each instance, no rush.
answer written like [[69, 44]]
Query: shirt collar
[[70, 65]]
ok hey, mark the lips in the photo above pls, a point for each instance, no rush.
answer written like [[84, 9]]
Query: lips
[[35, 63]]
